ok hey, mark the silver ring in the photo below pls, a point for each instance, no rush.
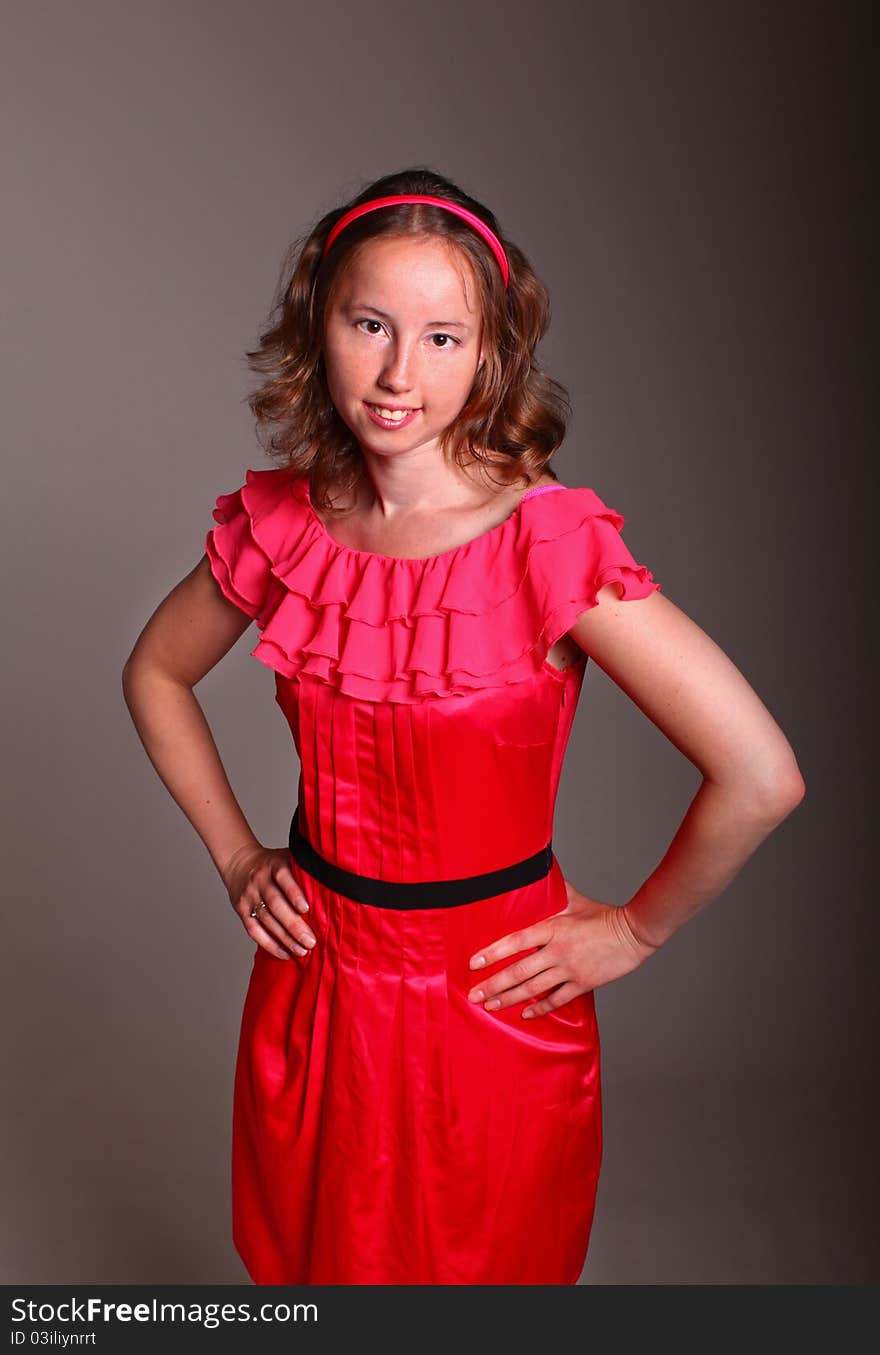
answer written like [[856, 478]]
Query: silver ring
[[260, 905]]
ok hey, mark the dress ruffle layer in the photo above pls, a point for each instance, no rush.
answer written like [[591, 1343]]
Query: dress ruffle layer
[[381, 628]]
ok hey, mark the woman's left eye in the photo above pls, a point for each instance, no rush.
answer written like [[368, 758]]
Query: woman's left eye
[[446, 336]]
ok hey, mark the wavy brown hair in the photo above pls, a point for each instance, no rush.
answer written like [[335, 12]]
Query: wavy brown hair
[[515, 416]]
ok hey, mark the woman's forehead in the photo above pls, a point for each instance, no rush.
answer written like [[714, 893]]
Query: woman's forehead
[[419, 269]]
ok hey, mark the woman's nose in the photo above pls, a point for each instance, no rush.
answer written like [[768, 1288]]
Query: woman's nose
[[398, 369]]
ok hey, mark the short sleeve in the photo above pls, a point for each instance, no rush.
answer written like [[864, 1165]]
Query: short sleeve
[[607, 558], [589, 551], [240, 566]]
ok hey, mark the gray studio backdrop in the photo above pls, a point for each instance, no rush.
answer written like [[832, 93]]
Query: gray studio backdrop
[[684, 178]]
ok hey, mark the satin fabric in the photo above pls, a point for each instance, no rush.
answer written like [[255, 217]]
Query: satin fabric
[[385, 1129]]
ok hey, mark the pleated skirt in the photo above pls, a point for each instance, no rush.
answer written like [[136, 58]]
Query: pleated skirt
[[386, 1130]]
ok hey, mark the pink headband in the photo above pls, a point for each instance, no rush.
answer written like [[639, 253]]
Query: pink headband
[[480, 226]]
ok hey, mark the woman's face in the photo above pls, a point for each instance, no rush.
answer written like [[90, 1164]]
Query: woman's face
[[402, 331]]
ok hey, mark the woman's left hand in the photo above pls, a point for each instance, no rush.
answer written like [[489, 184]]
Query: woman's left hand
[[585, 946]]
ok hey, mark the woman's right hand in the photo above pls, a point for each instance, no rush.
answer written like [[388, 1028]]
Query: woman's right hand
[[257, 875]]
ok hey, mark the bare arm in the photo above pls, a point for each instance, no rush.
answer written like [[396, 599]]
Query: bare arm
[[689, 688], [187, 635]]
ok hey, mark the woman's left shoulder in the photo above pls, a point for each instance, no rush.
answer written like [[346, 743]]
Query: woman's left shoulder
[[555, 501], [576, 546]]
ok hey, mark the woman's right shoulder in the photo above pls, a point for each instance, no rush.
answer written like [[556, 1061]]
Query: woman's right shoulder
[[255, 527], [260, 488]]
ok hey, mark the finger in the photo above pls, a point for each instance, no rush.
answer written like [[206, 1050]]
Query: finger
[[526, 978], [258, 910], [299, 944], [536, 935], [286, 879], [287, 918], [517, 972], [524, 991], [257, 932], [553, 1001]]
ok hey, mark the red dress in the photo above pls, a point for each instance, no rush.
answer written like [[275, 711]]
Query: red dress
[[385, 1129]]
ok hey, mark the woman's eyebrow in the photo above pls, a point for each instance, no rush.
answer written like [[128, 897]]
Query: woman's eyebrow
[[365, 306]]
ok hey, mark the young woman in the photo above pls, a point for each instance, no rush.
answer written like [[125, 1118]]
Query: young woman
[[417, 1092]]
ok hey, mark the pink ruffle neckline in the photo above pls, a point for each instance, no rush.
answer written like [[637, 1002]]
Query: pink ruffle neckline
[[389, 628]]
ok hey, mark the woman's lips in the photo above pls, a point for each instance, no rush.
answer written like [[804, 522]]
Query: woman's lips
[[389, 423]]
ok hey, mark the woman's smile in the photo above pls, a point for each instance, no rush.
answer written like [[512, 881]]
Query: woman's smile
[[390, 416]]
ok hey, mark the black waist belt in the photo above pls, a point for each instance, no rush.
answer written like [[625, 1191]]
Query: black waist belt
[[422, 893]]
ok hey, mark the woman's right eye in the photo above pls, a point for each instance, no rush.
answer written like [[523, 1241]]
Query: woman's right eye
[[369, 322]]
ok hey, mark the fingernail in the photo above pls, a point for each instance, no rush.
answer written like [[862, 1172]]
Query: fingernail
[[309, 940], [476, 996], [478, 962], [493, 1005]]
